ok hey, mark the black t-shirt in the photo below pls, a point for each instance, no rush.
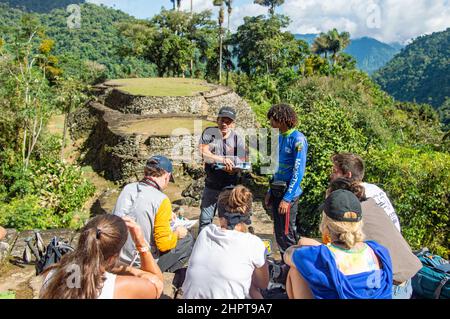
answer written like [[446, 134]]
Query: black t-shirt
[[233, 147]]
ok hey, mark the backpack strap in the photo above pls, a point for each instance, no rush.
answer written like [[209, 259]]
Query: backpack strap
[[437, 292]]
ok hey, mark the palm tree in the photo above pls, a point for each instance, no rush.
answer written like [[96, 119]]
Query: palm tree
[[333, 42], [219, 3], [229, 4], [272, 4], [321, 45]]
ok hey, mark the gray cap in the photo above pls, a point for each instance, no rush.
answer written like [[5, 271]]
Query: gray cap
[[227, 111]]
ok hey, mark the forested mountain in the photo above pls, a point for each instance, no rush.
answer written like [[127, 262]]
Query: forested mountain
[[96, 40], [421, 72], [370, 54], [40, 6]]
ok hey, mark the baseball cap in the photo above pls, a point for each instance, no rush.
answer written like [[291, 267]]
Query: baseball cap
[[338, 203], [227, 111], [162, 162]]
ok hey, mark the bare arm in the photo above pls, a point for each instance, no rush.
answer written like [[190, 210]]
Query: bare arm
[[260, 277], [146, 282], [208, 156]]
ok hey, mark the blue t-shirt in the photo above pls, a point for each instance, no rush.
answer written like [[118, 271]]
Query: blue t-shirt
[[291, 162], [318, 267]]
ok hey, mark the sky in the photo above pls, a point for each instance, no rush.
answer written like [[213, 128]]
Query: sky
[[388, 21]]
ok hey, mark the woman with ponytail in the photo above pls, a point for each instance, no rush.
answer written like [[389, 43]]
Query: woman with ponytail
[[344, 266], [227, 262], [92, 270]]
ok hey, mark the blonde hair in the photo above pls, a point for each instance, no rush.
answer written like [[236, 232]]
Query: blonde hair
[[347, 233]]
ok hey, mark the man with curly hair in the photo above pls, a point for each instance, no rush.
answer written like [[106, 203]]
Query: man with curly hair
[[284, 192]]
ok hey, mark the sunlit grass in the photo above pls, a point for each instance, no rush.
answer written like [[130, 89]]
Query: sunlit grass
[[161, 86]]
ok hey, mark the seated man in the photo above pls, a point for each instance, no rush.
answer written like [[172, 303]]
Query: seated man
[[351, 166], [145, 202]]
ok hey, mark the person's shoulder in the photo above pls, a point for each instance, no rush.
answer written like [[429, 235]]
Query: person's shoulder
[[305, 253], [211, 130], [129, 188], [298, 140], [209, 134], [372, 187]]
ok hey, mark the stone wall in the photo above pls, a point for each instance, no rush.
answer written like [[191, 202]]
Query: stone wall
[[147, 105], [120, 156]]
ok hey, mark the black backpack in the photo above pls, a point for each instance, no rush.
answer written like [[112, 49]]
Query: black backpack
[[45, 256]]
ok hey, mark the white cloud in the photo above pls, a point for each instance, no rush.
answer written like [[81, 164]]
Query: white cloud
[[385, 20]]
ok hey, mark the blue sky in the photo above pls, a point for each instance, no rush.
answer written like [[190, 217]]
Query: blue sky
[[386, 20]]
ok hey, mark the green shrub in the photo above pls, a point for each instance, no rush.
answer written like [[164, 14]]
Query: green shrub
[[418, 183], [328, 131], [48, 194], [27, 213]]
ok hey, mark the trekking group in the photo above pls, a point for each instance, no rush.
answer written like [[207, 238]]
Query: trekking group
[[361, 255]]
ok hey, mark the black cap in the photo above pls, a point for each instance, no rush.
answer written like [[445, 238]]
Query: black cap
[[162, 162], [227, 111], [340, 202]]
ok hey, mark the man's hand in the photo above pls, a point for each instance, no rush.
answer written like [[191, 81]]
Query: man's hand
[[228, 165], [181, 232], [284, 207], [267, 201]]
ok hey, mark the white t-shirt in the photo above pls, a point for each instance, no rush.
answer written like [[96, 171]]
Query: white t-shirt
[[108, 285], [382, 200], [222, 264]]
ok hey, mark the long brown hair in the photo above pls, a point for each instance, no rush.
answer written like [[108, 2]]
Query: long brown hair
[[102, 238]]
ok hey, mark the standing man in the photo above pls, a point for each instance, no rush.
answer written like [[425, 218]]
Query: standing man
[[222, 151], [285, 189], [145, 202]]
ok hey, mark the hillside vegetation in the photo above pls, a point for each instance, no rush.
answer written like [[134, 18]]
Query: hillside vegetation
[[421, 72]]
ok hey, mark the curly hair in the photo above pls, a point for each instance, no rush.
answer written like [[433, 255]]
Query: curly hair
[[283, 113]]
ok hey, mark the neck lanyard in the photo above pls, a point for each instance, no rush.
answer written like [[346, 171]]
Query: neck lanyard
[[150, 182]]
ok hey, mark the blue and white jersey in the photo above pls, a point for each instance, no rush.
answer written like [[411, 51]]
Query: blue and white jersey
[[293, 147]]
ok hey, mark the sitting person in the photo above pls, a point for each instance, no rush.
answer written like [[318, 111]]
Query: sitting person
[[2, 232], [146, 202], [352, 166], [227, 261], [345, 266], [378, 227], [91, 271]]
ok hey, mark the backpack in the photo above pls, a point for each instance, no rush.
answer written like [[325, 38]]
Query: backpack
[[433, 280], [45, 256]]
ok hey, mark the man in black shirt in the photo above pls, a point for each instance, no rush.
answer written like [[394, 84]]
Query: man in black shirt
[[222, 150]]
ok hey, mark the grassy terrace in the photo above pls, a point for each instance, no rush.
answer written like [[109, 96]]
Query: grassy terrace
[[161, 86], [165, 126]]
